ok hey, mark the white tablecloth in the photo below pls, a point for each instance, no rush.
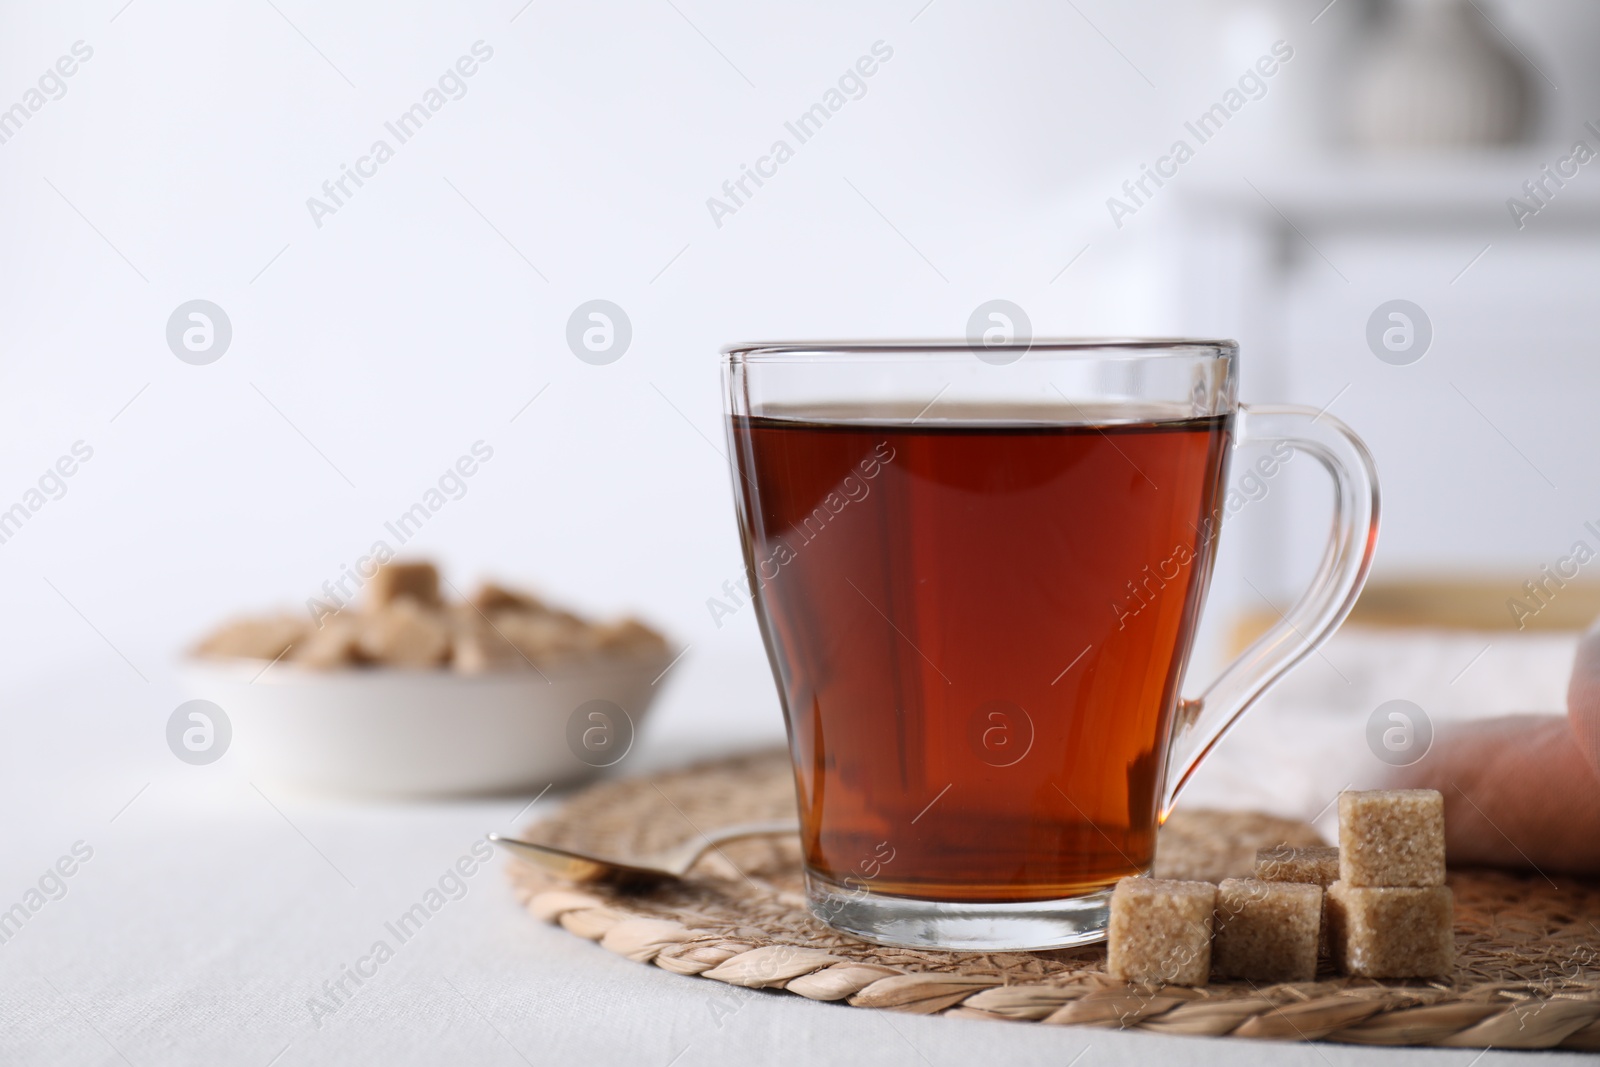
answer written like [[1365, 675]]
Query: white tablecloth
[[210, 914]]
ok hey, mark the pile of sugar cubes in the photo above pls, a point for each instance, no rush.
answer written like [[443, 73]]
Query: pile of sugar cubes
[[1377, 905]]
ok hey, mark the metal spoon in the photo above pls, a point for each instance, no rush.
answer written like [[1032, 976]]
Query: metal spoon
[[667, 865]]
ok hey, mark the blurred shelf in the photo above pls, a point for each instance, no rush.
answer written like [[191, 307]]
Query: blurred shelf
[[1480, 604], [1424, 192]]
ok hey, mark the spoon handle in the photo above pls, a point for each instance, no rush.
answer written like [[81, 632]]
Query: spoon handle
[[672, 863], [681, 858]]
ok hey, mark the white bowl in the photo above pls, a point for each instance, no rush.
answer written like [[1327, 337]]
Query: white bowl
[[392, 732]]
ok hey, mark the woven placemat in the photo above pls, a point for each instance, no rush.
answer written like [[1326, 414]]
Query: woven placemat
[[1528, 948]]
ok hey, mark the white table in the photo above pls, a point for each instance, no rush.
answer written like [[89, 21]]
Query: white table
[[210, 913]]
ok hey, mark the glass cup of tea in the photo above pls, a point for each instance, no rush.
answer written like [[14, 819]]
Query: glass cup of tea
[[978, 572]]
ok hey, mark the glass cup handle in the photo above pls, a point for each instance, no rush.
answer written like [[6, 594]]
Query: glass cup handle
[[1203, 721]]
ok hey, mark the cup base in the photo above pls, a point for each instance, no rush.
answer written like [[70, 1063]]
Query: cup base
[[958, 926]]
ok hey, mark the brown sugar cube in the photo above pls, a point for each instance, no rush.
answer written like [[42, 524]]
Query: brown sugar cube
[[476, 645], [491, 599], [397, 581], [404, 635], [629, 637], [546, 639], [254, 638], [1160, 931], [337, 643], [1310, 864], [1392, 931], [1313, 864], [1266, 931], [1391, 837], [476, 653]]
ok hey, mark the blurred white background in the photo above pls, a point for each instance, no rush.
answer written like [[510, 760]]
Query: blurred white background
[[371, 351]]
